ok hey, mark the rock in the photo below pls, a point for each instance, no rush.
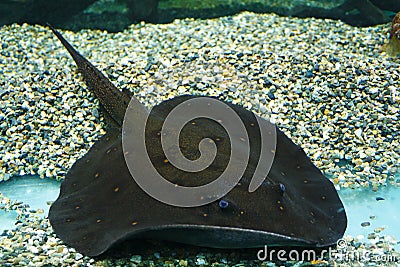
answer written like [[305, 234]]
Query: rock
[[391, 5], [365, 224], [353, 12], [142, 10], [358, 132], [78, 14], [363, 13], [40, 11], [33, 249]]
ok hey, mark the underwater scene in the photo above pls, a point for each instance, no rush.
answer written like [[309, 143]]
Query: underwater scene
[[199, 133]]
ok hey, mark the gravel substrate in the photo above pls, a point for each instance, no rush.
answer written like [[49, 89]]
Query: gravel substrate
[[327, 85]]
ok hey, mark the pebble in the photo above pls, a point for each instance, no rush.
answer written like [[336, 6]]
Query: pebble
[[200, 261], [183, 262], [365, 224]]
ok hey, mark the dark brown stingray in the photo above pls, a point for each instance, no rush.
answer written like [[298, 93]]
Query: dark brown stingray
[[100, 204]]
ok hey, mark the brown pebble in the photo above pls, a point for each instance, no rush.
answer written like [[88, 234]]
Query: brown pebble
[[378, 230], [371, 236]]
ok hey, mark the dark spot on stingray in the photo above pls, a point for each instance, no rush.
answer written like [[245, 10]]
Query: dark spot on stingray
[[365, 224], [223, 204], [379, 198], [266, 216]]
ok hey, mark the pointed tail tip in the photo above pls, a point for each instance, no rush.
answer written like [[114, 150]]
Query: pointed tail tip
[[72, 51], [53, 30], [51, 27]]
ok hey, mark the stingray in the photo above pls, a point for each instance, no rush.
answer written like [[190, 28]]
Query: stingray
[[100, 205]]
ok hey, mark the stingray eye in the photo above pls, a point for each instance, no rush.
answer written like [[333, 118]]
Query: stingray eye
[[223, 204], [283, 188]]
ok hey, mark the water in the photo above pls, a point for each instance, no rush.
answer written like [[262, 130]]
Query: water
[[31, 190], [361, 205], [37, 193], [7, 220]]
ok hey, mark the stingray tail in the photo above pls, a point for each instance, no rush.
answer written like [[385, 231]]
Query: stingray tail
[[113, 100]]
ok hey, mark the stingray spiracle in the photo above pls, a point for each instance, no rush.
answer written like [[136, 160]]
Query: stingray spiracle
[[151, 181]]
